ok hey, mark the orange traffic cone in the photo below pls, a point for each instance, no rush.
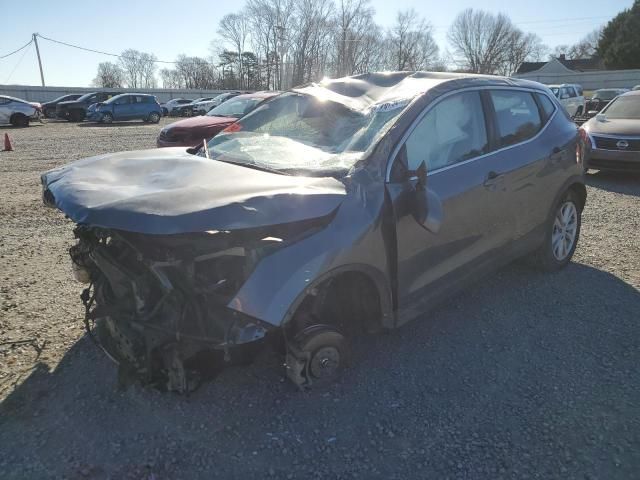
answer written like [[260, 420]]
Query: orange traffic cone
[[7, 143]]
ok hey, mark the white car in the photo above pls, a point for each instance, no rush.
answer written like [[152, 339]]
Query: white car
[[201, 108], [571, 97], [18, 112], [174, 102]]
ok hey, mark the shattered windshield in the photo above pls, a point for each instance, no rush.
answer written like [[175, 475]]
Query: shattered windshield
[[299, 133]]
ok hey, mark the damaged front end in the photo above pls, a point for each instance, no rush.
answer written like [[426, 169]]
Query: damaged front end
[[157, 303]]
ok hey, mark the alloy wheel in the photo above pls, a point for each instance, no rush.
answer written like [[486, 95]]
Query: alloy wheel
[[565, 227]]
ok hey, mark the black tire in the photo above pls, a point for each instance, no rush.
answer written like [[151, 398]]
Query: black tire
[[19, 120], [154, 117], [107, 118], [76, 115], [544, 258]]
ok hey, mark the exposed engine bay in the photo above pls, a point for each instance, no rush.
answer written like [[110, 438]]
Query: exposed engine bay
[[157, 302]]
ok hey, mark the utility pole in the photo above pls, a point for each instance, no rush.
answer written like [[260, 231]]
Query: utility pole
[[35, 40]]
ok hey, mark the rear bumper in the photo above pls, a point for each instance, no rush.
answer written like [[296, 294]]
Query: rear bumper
[[613, 160]]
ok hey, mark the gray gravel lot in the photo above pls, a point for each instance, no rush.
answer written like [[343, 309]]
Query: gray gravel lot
[[524, 375]]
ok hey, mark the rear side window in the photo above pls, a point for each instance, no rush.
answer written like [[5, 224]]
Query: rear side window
[[517, 116], [546, 105], [451, 132]]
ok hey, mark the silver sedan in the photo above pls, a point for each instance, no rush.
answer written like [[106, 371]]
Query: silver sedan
[[18, 112]]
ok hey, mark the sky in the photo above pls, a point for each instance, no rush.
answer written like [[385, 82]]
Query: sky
[[169, 28]]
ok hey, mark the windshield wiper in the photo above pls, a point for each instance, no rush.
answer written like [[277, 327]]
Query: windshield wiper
[[254, 166]]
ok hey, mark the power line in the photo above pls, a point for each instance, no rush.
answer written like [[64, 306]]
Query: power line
[[95, 51], [16, 51], [17, 64]]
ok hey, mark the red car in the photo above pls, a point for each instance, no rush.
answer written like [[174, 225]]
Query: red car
[[192, 131]]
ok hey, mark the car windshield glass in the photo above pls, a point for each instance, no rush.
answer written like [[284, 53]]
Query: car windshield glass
[[624, 107], [236, 107], [555, 91], [605, 94], [85, 96], [299, 133]]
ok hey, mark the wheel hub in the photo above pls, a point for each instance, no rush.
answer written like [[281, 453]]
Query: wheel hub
[[325, 362]]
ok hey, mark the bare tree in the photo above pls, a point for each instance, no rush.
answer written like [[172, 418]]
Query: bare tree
[[109, 76], [138, 68], [410, 43], [480, 40], [309, 43], [357, 38], [585, 48], [196, 72], [171, 78], [523, 47], [271, 22], [234, 28]]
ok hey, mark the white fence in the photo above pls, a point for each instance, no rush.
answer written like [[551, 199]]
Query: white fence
[[588, 80], [45, 94]]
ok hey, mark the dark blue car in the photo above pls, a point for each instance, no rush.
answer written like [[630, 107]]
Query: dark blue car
[[127, 106]]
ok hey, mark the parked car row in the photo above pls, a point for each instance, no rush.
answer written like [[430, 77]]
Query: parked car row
[[191, 132], [105, 107], [327, 211]]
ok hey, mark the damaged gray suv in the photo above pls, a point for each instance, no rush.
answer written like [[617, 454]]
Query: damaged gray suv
[[347, 206]]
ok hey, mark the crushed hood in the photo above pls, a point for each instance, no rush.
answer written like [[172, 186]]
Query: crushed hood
[[168, 191]]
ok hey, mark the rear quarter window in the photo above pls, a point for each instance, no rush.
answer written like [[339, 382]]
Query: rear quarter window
[[546, 105], [517, 116]]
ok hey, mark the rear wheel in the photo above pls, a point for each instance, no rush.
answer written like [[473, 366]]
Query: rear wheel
[[19, 120], [154, 117], [562, 234]]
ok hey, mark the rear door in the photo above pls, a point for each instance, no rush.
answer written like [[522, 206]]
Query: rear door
[[452, 139], [519, 163]]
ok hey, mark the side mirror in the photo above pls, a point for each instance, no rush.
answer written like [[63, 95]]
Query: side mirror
[[601, 117], [419, 202]]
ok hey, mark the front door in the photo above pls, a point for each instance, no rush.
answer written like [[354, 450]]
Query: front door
[[452, 140], [122, 108]]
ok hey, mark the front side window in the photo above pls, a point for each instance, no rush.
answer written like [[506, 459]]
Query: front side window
[[517, 116], [451, 132], [119, 100], [299, 133]]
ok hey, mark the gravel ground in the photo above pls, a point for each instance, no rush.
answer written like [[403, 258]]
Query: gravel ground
[[525, 375]]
